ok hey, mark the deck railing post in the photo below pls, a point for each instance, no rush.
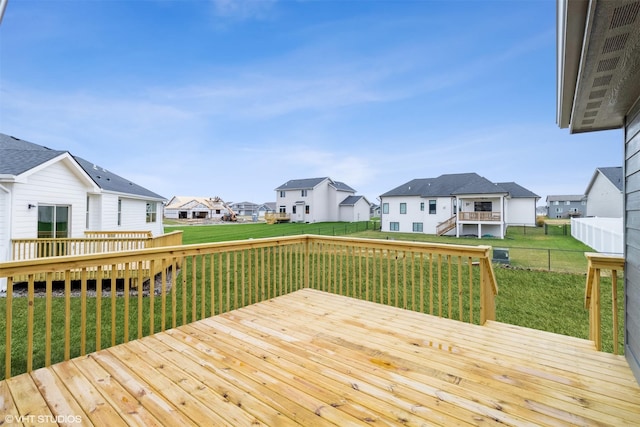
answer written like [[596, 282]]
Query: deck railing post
[[592, 297], [306, 260], [488, 289]]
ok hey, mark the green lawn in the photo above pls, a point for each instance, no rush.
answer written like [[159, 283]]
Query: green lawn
[[239, 231]]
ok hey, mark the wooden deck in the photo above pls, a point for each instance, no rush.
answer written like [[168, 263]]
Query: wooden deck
[[313, 358]]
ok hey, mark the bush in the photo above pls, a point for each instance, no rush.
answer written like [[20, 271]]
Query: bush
[[540, 220]]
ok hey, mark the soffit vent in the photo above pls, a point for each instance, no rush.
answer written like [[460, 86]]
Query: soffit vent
[[608, 82], [625, 15], [593, 105], [602, 81], [608, 64], [615, 43]]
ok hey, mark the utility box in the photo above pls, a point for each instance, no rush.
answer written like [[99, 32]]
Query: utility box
[[501, 255]]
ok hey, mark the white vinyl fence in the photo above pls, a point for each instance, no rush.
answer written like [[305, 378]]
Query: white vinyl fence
[[604, 235]]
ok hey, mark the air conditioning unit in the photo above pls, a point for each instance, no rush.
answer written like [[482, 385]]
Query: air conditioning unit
[[501, 255]]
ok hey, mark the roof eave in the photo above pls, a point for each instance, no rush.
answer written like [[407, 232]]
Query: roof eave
[[571, 17]]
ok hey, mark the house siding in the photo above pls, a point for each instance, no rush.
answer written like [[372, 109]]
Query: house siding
[[604, 199], [414, 214], [521, 211], [4, 222], [55, 184], [360, 211], [632, 238]]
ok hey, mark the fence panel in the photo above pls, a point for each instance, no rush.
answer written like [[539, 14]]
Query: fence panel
[[604, 235]]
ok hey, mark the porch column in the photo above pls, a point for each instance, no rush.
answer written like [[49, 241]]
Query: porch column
[[503, 217]]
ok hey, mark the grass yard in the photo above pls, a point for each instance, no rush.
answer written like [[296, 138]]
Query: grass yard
[[529, 247], [239, 231]]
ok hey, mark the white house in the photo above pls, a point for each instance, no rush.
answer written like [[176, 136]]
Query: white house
[[188, 207], [50, 193], [320, 200], [604, 193], [457, 204]]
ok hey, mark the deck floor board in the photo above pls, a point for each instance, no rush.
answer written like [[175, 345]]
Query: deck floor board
[[316, 359]]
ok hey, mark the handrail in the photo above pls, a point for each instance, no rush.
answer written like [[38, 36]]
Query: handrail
[[479, 216], [184, 283], [447, 225], [95, 242], [596, 264]]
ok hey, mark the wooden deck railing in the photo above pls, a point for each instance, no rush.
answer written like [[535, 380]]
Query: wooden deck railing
[[192, 282], [95, 242], [479, 216], [273, 217], [447, 225], [610, 265]]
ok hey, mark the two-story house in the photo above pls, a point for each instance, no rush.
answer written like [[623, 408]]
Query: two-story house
[[566, 205], [457, 204], [321, 200]]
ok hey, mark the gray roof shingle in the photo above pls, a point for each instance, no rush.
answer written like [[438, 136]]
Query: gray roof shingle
[[310, 183], [613, 174], [18, 156], [351, 200], [456, 184]]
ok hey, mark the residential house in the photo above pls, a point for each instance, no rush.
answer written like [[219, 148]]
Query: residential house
[[249, 209], [598, 88], [47, 193], [566, 206], [604, 193], [320, 200], [457, 204], [188, 207]]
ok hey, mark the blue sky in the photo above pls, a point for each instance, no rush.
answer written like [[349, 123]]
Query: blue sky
[[232, 98]]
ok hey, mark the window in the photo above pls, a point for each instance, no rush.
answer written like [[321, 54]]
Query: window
[[417, 226], [293, 209], [556, 203], [385, 208], [282, 209], [53, 221], [303, 193], [584, 202], [568, 202], [403, 208], [394, 226], [152, 211], [119, 211], [306, 209], [432, 207], [558, 210], [482, 206], [422, 206], [282, 193]]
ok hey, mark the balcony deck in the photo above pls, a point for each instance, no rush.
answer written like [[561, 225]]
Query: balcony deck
[[314, 358]]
